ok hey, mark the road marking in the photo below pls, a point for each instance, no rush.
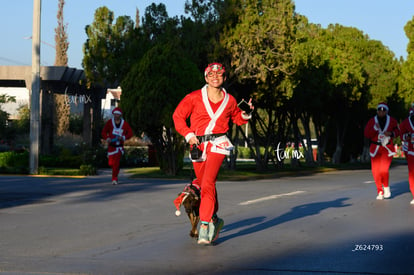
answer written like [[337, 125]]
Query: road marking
[[78, 194], [369, 181], [272, 197]]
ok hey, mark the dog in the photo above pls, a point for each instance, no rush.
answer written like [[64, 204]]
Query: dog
[[190, 198]]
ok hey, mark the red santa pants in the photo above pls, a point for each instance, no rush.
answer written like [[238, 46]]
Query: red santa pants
[[114, 161], [410, 160], [380, 165], [206, 173]]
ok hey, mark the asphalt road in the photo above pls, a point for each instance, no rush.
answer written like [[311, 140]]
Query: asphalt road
[[326, 223]]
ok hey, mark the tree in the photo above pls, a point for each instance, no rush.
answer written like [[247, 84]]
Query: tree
[[311, 87], [109, 48], [23, 123], [198, 35], [97, 48], [155, 22], [203, 11], [362, 73], [259, 43], [61, 38], [406, 81], [62, 108], [347, 78], [109, 52], [150, 93], [4, 116]]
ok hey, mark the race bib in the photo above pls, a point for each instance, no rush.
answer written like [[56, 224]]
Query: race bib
[[383, 139], [223, 142], [117, 132]]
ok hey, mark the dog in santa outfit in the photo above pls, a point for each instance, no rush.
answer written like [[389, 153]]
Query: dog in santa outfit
[[380, 131], [115, 132], [190, 199], [210, 109], [407, 138]]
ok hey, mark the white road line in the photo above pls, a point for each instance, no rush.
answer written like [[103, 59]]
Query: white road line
[[369, 181], [272, 197]]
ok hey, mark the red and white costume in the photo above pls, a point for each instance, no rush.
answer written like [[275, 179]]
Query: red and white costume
[[118, 133], [407, 136], [208, 118], [381, 148]]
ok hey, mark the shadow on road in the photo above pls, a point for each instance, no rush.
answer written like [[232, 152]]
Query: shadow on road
[[399, 188], [297, 212], [27, 190], [392, 251]]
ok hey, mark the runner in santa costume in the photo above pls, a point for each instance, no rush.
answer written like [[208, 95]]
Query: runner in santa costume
[[115, 132], [407, 137], [211, 109], [380, 130]]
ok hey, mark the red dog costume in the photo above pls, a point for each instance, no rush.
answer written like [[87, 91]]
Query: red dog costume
[[115, 134], [407, 136], [209, 122], [380, 130]]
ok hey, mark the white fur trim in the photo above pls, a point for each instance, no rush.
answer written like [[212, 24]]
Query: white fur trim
[[246, 116], [189, 136], [212, 115]]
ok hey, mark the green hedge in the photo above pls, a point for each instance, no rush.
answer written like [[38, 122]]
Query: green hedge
[[84, 170], [85, 163], [13, 162], [66, 161]]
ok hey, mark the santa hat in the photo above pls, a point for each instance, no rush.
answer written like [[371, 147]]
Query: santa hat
[[178, 201], [216, 67], [383, 106], [117, 111]]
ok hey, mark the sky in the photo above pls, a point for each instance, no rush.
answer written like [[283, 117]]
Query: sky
[[16, 18], [382, 20]]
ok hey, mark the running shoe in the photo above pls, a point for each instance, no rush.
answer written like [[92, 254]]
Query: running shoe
[[387, 192], [380, 195], [214, 228], [203, 235]]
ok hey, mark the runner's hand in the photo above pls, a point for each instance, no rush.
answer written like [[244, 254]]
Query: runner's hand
[[193, 140]]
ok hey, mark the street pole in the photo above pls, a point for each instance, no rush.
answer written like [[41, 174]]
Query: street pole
[[247, 134], [35, 91]]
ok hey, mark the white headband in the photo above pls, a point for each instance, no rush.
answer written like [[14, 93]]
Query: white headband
[[382, 106]]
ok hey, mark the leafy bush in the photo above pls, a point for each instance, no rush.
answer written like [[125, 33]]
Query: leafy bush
[[135, 156], [243, 152], [76, 124], [87, 170], [59, 171], [62, 160], [95, 156], [13, 162]]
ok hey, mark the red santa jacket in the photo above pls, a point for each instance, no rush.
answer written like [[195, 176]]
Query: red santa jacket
[[203, 119], [111, 131], [407, 135], [374, 133]]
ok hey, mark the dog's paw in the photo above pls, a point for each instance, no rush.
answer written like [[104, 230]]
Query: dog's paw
[[193, 235]]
